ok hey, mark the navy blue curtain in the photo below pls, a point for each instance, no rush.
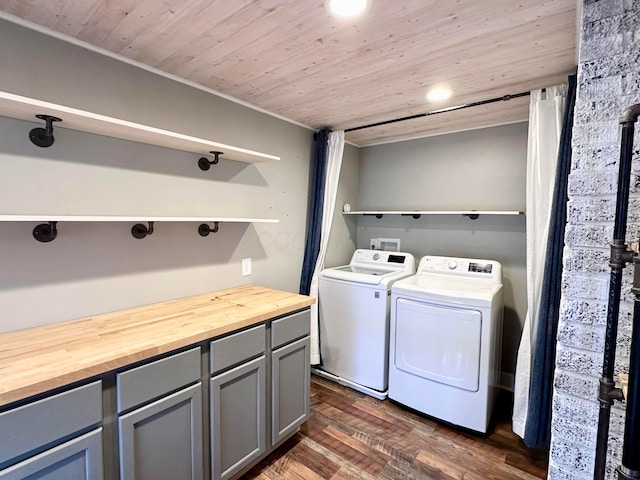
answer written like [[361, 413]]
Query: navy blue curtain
[[538, 427], [316, 206]]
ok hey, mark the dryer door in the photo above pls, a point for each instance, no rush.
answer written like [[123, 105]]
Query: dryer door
[[438, 343]]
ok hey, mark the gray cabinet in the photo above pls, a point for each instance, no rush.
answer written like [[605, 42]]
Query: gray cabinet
[[238, 401], [56, 438], [160, 430], [77, 459], [290, 374], [152, 422]]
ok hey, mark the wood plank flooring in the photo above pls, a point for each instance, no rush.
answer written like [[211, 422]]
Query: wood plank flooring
[[353, 436]]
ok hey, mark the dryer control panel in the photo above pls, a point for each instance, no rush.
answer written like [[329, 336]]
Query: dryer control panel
[[467, 267]]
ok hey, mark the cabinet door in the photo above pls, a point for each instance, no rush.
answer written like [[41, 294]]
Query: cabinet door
[[77, 459], [163, 440], [290, 373], [238, 418]]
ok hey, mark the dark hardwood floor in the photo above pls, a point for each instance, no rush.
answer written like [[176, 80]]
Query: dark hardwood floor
[[353, 436]]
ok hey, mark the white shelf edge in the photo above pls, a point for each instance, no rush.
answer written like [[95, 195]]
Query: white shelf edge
[[434, 212], [137, 218], [24, 108]]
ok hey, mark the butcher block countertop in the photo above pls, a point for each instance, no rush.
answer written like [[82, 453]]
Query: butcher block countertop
[[39, 359]]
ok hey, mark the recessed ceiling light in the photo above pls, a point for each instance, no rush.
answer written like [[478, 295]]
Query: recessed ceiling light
[[347, 8], [439, 94]]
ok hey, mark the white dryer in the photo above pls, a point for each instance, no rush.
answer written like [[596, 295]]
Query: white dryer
[[445, 340], [353, 306]]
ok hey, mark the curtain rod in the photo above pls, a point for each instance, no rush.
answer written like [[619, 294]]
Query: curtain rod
[[443, 110]]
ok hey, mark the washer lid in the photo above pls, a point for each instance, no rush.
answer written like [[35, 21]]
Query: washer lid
[[374, 267], [453, 290], [367, 275]]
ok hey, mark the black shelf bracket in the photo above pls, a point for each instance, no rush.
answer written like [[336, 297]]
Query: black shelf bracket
[[140, 231], [472, 216], [205, 229], [414, 215], [205, 164], [377, 215], [45, 232], [43, 137]]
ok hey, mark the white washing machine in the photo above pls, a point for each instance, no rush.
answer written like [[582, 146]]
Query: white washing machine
[[353, 306], [445, 340]]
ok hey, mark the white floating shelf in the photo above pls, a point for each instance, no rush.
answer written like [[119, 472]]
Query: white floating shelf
[[434, 212], [137, 218], [24, 108]]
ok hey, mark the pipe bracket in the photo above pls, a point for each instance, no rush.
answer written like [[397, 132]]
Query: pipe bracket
[[609, 392], [625, 473], [205, 229], [45, 232], [620, 255], [205, 164], [140, 231], [43, 137], [631, 114]]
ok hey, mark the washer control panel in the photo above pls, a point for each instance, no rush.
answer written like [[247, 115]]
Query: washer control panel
[[379, 258], [468, 267], [480, 267]]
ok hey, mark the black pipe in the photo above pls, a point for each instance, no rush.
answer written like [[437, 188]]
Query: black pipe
[[504, 98], [620, 256], [630, 468]]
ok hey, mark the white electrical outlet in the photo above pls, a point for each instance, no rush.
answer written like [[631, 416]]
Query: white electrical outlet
[[246, 267]]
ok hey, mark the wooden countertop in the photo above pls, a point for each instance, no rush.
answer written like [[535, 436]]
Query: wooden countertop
[[39, 359]]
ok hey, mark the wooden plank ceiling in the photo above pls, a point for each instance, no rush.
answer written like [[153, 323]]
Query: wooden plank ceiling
[[292, 58]]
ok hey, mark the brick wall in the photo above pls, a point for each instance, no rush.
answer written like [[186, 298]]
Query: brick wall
[[608, 82]]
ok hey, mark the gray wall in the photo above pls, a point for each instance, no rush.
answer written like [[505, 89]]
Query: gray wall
[[481, 169], [344, 233], [97, 267]]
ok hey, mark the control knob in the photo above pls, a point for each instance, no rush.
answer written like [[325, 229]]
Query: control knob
[[452, 265]]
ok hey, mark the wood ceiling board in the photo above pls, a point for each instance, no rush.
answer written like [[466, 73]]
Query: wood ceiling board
[[394, 97], [291, 58], [394, 55]]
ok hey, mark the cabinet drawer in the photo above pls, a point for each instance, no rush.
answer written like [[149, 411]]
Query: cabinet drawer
[[147, 382], [234, 349], [287, 329], [42, 423]]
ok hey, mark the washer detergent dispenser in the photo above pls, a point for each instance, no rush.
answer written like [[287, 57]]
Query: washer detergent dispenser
[[354, 306], [445, 340]]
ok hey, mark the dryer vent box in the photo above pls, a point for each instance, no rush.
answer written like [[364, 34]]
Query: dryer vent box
[[386, 244]]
